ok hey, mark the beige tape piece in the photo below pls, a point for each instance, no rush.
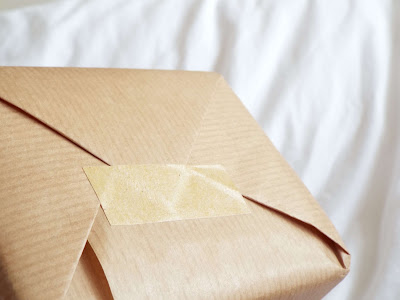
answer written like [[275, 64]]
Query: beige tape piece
[[137, 194]]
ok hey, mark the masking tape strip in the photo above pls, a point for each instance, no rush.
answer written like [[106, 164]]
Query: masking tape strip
[[137, 194]]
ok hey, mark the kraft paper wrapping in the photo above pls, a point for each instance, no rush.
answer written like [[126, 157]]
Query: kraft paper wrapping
[[54, 121]]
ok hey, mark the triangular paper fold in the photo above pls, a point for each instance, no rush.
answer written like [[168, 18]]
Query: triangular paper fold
[[47, 208]]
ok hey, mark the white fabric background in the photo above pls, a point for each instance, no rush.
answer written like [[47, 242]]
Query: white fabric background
[[321, 78]]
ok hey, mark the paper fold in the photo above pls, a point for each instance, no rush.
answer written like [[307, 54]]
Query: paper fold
[[47, 208]]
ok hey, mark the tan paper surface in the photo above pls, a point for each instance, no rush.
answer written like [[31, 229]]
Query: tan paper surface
[[137, 194], [54, 121]]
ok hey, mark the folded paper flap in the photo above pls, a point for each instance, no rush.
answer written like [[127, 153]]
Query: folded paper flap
[[258, 169], [139, 116], [47, 208], [109, 112]]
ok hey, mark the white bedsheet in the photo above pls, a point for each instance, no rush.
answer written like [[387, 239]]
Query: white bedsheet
[[322, 78]]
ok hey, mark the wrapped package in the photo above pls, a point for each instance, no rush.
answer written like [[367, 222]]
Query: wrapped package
[[245, 226]]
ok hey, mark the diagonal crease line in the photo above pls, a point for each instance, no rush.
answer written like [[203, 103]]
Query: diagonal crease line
[[330, 242], [80, 253], [55, 130], [296, 219], [203, 117]]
